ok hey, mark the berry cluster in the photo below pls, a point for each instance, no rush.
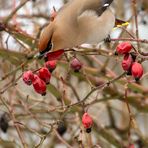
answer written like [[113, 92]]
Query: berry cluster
[[129, 63], [40, 78]]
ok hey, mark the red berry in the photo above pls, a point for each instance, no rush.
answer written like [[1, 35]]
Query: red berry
[[55, 55], [131, 146], [44, 74], [39, 85], [124, 48], [76, 65], [28, 77], [51, 65], [87, 121], [127, 62], [137, 70]]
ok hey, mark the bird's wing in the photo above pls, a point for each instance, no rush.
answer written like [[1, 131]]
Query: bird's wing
[[75, 8]]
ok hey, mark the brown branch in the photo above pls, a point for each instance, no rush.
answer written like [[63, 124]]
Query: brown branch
[[136, 21], [130, 39], [14, 120], [62, 140], [95, 89], [15, 11]]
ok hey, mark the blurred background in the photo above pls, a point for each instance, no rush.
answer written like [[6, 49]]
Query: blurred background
[[28, 119]]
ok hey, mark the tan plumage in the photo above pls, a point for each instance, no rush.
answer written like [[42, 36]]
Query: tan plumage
[[78, 22]]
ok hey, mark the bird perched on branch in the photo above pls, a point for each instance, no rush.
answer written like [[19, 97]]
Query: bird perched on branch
[[78, 22]]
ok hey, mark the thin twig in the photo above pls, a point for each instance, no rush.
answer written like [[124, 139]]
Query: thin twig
[[15, 11], [62, 140], [130, 39], [136, 21]]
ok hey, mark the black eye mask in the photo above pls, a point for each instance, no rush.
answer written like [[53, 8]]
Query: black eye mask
[[48, 48]]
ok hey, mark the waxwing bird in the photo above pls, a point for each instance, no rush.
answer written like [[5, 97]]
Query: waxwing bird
[[78, 22]]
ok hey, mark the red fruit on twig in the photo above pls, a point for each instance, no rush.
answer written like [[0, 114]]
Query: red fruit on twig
[[131, 146], [39, 85], [127, 62], [76, 65], [137, 70], [51, 65], [87, 122], [28, 77], [44, 74], [124, 48], [55, 55]]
